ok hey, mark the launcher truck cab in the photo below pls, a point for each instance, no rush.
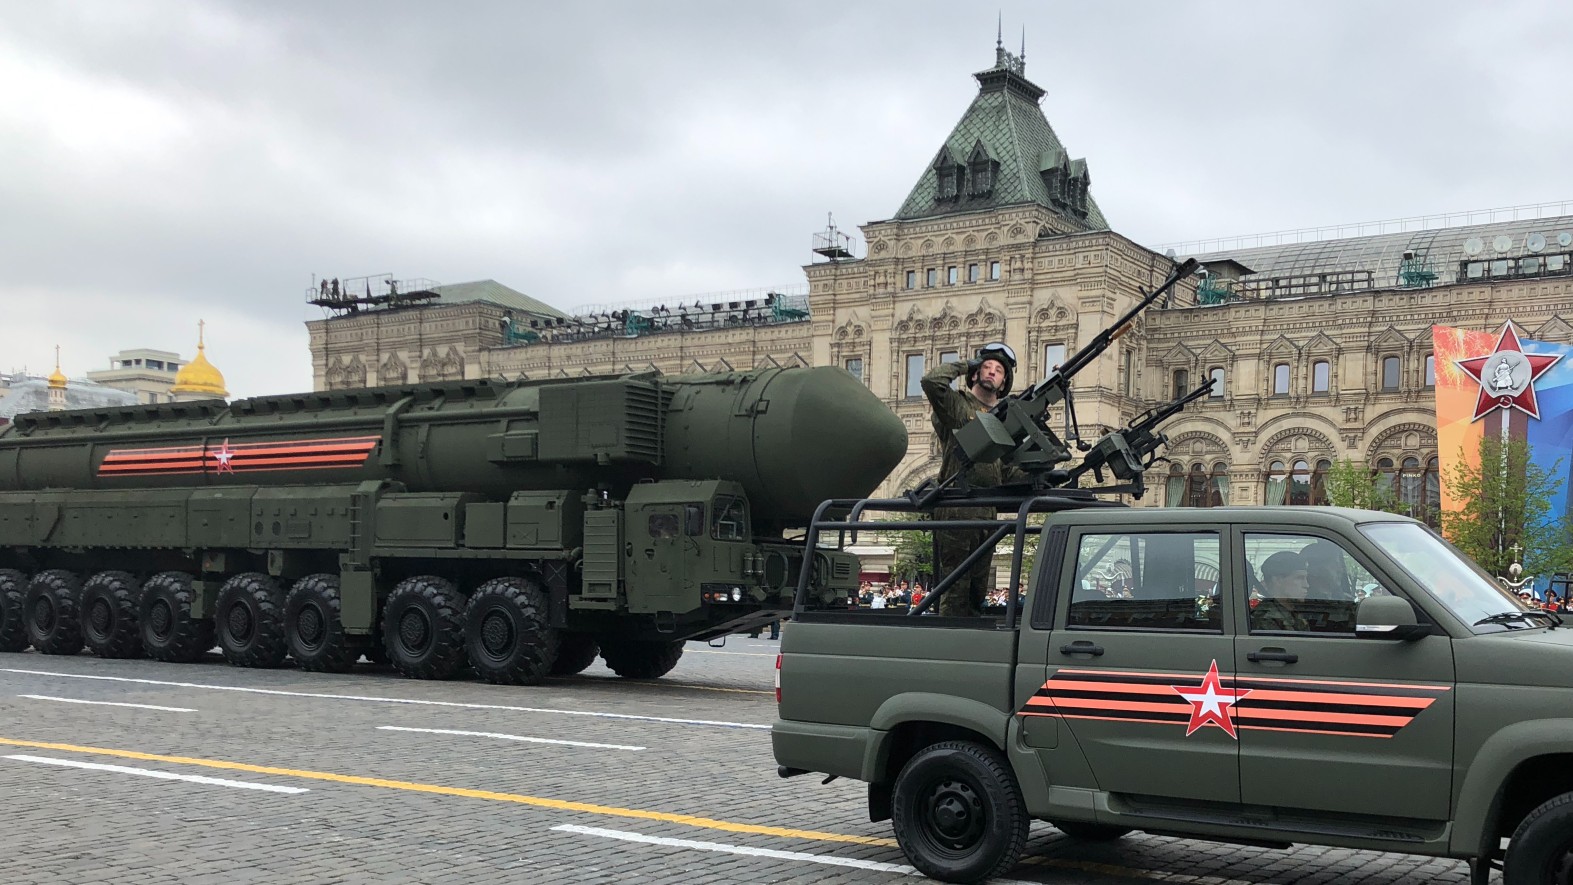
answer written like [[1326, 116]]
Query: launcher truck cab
[[1262, 675]]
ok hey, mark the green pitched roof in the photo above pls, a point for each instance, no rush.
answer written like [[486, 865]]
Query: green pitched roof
[[495, 293], [1010, 127]]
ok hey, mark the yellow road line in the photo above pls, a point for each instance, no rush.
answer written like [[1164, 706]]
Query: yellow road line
[[410, 786]]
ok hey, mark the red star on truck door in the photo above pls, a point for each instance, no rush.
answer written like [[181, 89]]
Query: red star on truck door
[[1507, 376], [1210, 703]]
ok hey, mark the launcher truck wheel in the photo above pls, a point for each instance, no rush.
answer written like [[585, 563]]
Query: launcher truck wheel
[[314, 629], [13, 627], [50, 606], [641, 658], [109, 615], [169, 632], [423, 628], [250, 621], [507, 634], [575, 652]]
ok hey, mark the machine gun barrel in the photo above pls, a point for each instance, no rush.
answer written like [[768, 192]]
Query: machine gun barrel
[[1128, 452], [1156, 415], [1053, 388]]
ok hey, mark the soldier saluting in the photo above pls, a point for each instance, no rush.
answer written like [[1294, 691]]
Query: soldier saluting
[[987, 379]]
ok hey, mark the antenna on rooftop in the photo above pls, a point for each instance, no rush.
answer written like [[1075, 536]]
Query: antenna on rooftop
[[833, 244]]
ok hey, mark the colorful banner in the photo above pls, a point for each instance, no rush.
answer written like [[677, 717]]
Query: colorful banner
[[1501, 384]]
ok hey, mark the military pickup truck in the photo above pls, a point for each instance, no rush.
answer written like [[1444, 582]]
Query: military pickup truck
[[1258, 675]]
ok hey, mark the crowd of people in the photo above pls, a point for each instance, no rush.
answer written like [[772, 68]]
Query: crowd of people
[[906, 595]]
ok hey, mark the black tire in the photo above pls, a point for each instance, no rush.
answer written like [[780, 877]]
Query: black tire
[[507, 634], [1090, 832], [314, 628], [109, 615], [13, 626], [958, 812], [169, 632], [641, 658], [423, 628], [50, 609], [248, 621], [575, 652], [1541, 850]]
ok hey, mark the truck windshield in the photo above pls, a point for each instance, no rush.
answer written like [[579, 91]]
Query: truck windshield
[[1455, 580]]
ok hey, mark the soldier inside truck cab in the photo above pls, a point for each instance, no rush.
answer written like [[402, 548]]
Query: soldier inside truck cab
[[1284, 583]]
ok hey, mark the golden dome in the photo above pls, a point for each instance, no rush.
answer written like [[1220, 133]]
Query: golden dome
[[199, 377], [57, 378]]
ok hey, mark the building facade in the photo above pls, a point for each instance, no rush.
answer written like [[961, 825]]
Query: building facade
[[1320, 351], [149, 374]]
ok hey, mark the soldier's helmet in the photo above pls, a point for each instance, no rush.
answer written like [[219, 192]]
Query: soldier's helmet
[[1000, 353]]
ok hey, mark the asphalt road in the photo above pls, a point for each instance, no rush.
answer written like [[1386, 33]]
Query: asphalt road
[[134, 771]]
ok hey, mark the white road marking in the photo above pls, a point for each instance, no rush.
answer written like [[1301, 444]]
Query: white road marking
[[45, 697], [715, 723], [509, 737], [827, 859], [161, 775]]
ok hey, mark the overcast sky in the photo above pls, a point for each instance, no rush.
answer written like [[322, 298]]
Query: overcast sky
[[165, 162]]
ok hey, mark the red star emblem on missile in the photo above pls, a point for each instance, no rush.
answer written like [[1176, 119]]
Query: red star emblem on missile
[[224, 456], [1210, 703], [1507, 376]]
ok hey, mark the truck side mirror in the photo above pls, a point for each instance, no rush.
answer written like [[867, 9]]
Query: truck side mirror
[[1388, 617]]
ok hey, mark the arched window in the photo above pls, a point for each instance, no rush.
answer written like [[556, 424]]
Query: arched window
[[1386, 474], [1174, 489], [1411, 488], [1319, 481], [1196, 486], [1276, 481], [1432, 481], [1300, 484], [1218, 485]]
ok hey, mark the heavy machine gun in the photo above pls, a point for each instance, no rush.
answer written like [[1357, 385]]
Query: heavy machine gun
[[1016, 431], [1127, 452]]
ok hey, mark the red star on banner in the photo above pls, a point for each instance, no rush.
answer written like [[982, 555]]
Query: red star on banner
[[1499, 376], [224, 455], [1210, 703]]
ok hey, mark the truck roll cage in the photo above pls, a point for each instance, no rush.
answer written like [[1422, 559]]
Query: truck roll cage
[[844, 518]]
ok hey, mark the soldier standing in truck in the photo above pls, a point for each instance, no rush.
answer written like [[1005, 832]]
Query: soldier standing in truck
[[987, 379]]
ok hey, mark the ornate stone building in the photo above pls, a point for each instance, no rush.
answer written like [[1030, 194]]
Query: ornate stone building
[[1321, 350]]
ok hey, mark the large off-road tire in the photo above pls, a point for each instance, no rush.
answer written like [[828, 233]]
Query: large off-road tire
[[640, 658], [1541, 850], [109, 615], [507, 634], [13, 626], [1090, 832], [50, 607], [314, 629], [423, 628], [169, 632], [249, 621], [958, 812], [575, 652]]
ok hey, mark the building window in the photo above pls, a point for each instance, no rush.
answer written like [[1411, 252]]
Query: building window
[[1053, 356], [1217, 375], [1385, 476], [1197, 487], [932, 277], [1321, 375], [1297, 485], [994, 270], [950, 356], [1218, 485], [855, 368], [972, 273], [1430, 370], [1281, 379], [1128, 382], [914, 375], [1389, 373], [952, 275], [912, 279], [1182, 382]]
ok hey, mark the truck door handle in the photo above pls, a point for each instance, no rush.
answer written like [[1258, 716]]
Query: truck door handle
[[1280, 656], [1081, 647]]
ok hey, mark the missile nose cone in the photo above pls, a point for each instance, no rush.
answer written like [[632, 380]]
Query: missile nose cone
[[840, 440]]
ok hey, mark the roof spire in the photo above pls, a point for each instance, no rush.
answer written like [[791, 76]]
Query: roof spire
[[1023, 57], [999, 43]]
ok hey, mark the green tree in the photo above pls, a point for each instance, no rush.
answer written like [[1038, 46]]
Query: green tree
[[1352, 484], [1507, 504], [913, 558]]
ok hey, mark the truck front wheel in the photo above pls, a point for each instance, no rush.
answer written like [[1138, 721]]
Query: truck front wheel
[[640, 658], [958, 812], [1541, 850]]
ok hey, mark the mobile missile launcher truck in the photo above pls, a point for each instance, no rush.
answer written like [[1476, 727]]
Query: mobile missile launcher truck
[[522, 528], [1257, 675]]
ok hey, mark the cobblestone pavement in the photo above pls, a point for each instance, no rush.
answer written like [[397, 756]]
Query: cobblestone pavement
[[586, 779]]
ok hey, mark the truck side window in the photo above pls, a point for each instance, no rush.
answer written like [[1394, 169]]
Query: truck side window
[[730, 522], [1304, 584], [1147, 581], [663, 525]]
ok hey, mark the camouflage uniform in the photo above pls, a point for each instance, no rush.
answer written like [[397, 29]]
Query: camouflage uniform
[[1275, 614], [951, 409]]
